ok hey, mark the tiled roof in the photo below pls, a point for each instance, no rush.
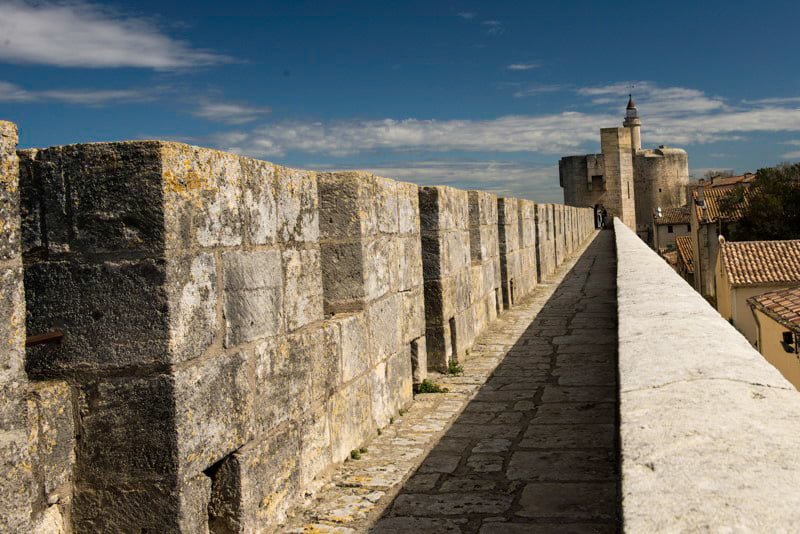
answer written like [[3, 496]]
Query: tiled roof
[[684, 244], [673, 216], [755, 263], [731, 180], [783, 306], [714, 207]]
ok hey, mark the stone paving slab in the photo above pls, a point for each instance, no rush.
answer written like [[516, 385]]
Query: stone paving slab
[[524, 441]]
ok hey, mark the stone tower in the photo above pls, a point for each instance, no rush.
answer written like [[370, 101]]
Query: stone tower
[[632, 121], [628, 181]]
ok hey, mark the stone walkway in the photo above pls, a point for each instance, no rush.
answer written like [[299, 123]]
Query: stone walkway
[[526, 439]]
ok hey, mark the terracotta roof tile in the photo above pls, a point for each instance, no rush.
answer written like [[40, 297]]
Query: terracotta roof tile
[[685, 251], [714, 207], [673, 216], [751, 263], [783, 306]]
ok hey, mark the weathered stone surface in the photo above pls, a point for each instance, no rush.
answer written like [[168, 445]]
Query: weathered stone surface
[[253, 487], [302, 299], [740, 460], [115, 313], [15, 481], [351, 417], [52, 441], [192, 297], [213, 403], [9, 193], [97, 197], [253, 295], [12, 341]]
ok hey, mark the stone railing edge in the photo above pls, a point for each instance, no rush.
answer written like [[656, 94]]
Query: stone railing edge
[[708, 428]]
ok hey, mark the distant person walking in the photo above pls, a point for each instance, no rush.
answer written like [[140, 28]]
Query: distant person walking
[[603, 218]]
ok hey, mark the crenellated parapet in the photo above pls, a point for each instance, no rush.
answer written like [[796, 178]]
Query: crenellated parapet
[[232, 328]]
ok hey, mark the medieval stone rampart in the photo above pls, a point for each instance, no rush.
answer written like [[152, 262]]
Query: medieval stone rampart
[[233, 328]]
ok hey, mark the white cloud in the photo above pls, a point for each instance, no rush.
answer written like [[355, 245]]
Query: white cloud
[[504, 178], [228, 112], [90, 97], [80, 34], [523, 66], [781, 100], [467, 15], [493, 27], [534, 90], [670, 115], [551, 134], [791, 155]]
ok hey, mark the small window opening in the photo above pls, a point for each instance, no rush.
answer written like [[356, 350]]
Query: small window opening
[[669, 229]]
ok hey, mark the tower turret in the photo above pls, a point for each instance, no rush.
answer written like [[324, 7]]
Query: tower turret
[[632, 121]]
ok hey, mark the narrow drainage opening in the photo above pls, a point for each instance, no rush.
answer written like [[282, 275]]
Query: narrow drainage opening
[[512, 298], [497, 298], [453, 340], [223, 506], [415, 363]]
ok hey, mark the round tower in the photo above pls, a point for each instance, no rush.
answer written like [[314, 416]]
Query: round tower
[[632, 121]]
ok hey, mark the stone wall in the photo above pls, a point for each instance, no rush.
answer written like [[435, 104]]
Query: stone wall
[[15, 471], [708, 427], [447, 270], [517, 223], [545, 242], [234, 328]]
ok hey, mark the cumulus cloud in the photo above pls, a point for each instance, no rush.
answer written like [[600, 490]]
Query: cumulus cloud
[[229, 113], [81, 34], [89, 97]]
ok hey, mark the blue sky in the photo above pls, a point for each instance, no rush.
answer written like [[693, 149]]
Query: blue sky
[[472, 94]]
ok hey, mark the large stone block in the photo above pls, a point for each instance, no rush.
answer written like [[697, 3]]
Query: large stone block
[[213, 401], [52, 440], [192, 296], [381, 260], [115, 315], [354, 344], [391, 386], [294, 371], [340, 206], [253, 285], [253, 488], [12, 353], [412, 320], [9, 193], [383, 322], [351, 416], [127, 429], [408, 208], [298, 205], [315, 446], [15, 482], [302, 299], [98, 197], [124, 507], [259, 206], [342, 276], [202, 196]]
